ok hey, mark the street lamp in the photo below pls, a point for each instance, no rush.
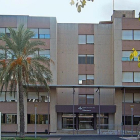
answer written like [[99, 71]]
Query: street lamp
[[132, 106]]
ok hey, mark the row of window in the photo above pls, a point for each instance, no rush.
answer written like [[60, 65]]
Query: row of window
[[130, 76], [85, 59], [126, 54], [128, 119], [86, 39], [86, 99], [132, 97], [8, 54], [86, 79], [130, 34], [12, 119], [31, 97], [39, 33]]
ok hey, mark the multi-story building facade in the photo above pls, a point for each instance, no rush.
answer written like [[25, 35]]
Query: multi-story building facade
[[95, 55]]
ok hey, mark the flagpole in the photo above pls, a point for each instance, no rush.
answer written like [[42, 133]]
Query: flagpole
[[113, 4]]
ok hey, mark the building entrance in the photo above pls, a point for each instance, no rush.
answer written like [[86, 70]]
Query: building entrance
[[86, 121]]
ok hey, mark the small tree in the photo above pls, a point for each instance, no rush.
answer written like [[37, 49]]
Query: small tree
[[20, 68]]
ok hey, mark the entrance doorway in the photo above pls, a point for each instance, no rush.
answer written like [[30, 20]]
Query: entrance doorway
[[86, 121]]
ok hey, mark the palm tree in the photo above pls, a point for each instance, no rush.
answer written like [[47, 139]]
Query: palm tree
[[19, 69]]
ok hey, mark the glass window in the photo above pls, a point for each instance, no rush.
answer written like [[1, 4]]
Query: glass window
[[90, 39], [11, 97], [127, 120], [32, 97], [2, 30], [44, 33], [125, 55], [82, 79], [82, 99], [128, 97], [81, 59], [2, 97], [136, 34], [136, 76], [136, 97], [45, 53], [43, 97], [127, 76], [90, 99], [35, 33], [127, 35], [90, 79], [82, 39], [136, 119], [90, 59], [40, 119], [11, 119]]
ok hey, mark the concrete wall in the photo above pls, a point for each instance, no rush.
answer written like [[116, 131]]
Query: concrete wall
[[117, 37], [67, 56], [103, 60]]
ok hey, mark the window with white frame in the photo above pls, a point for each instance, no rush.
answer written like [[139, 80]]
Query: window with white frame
[[127, 77], [86, 39], [44, 33], [32, 97], [127, 34], [82, 79], [45, 53]]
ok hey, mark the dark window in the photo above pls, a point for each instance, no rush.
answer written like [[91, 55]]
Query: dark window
[[86, 99], [82, 59]]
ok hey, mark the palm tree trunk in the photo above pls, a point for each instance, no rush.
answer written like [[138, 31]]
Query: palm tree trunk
[[21, 109]]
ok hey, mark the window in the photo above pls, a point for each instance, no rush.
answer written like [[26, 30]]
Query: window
[[86, 79], [127, 77], [130, 76], [90, 39], [2, 54], [44, 33], [45, 53], [86, 99], [81, 59], [85, 59], [136, 76], [8, 32], [136, 34], [127, 35], [90, 59], [35, 33], [82, 79], [9, 54], [38, 97], [41, 33], [130, 34], [11, 97], [127, 120], [67, 121], [40, 119], [126, 54], [86, 39], [2, 30], [132, 97]]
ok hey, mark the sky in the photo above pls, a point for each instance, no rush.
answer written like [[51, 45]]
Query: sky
[[94, 12]]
